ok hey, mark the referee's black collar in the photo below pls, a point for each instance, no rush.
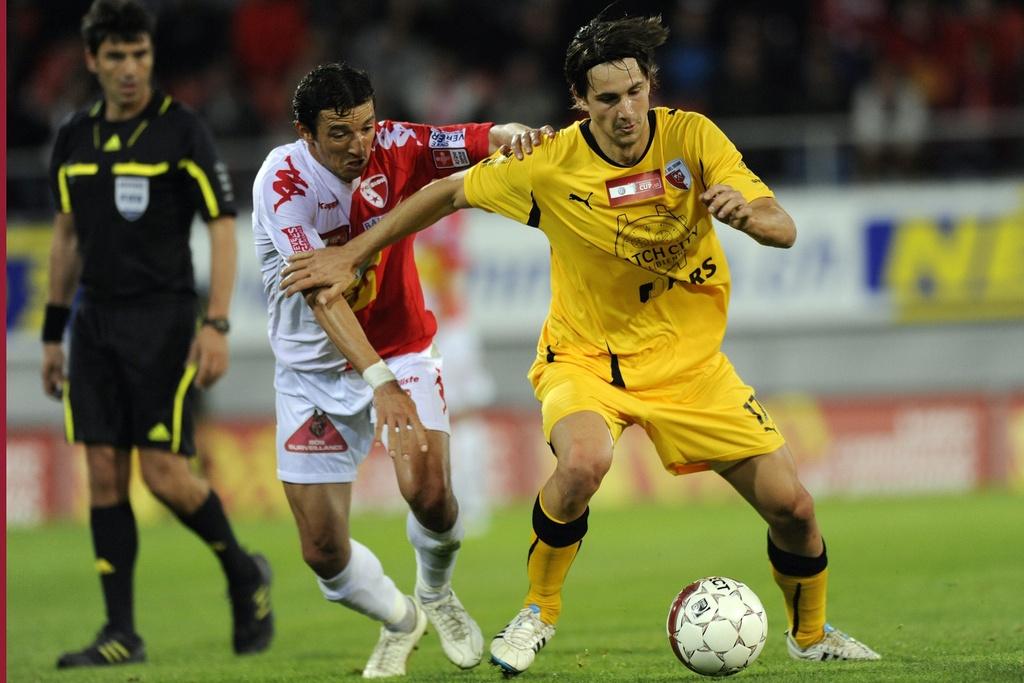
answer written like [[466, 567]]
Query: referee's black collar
[[157, 102], [592, 141]]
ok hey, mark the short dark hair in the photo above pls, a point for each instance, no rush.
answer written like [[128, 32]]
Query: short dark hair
[[336, 86], [120, 20], [602, 40]]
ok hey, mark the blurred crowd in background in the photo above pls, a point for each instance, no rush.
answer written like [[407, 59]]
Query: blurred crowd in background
[[876, 79]]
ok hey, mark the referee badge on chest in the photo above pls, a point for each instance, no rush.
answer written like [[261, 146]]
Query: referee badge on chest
[[131, 196]]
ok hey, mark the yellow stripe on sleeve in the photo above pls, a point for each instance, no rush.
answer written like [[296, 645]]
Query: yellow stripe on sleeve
[[209, 197], [67, 171]]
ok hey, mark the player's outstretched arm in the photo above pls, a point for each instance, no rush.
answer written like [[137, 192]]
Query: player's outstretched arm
[[396, 412], [334, 268], [517, 139], [764, 219]]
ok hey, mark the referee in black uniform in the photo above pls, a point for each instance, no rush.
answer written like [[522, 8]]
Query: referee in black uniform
[[128, 175]]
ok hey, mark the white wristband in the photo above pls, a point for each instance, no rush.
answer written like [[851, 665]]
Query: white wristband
[[377, 374]]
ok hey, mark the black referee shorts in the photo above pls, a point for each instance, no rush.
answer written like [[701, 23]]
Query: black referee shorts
[[127, 380]]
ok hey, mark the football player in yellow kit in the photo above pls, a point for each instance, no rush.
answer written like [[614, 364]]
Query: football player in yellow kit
[[640, 292]]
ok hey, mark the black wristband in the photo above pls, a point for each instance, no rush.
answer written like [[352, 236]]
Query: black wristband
[[54, 322]]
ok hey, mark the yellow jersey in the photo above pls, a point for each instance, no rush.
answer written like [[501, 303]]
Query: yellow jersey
[[639, 281]]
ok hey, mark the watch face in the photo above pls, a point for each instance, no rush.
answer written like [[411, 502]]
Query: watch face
[[219, 324]]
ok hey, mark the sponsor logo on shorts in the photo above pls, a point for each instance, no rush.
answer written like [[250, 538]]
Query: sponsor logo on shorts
[[408, 380], [297, 239], [327, 205], [440, 139], [375, 190], [316, 435], [634, 188], [450, 158]]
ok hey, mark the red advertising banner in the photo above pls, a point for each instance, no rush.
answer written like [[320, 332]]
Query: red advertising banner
[[847, 446]]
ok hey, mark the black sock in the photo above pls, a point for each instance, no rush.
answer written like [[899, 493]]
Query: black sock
[[115, 543], [211, 525]]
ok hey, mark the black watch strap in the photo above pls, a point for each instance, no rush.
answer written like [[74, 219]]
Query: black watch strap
[[220, 324]]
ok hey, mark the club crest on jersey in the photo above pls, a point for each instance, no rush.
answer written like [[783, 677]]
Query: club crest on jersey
[[450, 158], [678, 175], [131, 196], [634, 188], [316, 435], [375, 190], [441, 139]]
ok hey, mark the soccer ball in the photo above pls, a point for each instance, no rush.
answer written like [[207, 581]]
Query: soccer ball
[[717, 626]]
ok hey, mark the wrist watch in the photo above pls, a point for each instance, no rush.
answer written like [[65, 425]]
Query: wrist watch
[[220, 324]]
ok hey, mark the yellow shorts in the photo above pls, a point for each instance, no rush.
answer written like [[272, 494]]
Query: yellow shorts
[[707, 419]]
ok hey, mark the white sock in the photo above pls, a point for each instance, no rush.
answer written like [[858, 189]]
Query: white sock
[[364, 587], [471, 472], [435, 557]]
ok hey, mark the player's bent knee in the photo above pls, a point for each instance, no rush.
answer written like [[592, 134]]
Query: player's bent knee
[[797, 512], [436, 510], [325, 556], [168, 484], [584, 469], [160, 484], [430, 495], [803, 507]]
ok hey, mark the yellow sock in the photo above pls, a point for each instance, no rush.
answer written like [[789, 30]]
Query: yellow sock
[[553, 548], [805, 605], [804, 582], [547, 568]]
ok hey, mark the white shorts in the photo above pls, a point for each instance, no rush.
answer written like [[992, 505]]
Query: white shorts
[[325, 420]]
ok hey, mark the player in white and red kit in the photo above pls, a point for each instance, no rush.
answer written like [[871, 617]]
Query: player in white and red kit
[[344, 174]]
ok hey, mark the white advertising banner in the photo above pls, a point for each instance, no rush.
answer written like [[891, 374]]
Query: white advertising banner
[[863, 256], [901, 253]]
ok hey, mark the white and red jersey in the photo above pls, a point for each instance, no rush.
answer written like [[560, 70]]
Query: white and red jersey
[[298, 204]]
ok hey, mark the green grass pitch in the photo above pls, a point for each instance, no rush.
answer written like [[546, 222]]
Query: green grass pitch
[[936, 584]]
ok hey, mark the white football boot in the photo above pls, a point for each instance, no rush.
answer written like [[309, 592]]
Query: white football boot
[[516, 646], [393, 648], [835, 646], [461, 639]]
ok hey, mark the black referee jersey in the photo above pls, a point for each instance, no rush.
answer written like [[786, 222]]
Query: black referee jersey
[[134, 187]]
